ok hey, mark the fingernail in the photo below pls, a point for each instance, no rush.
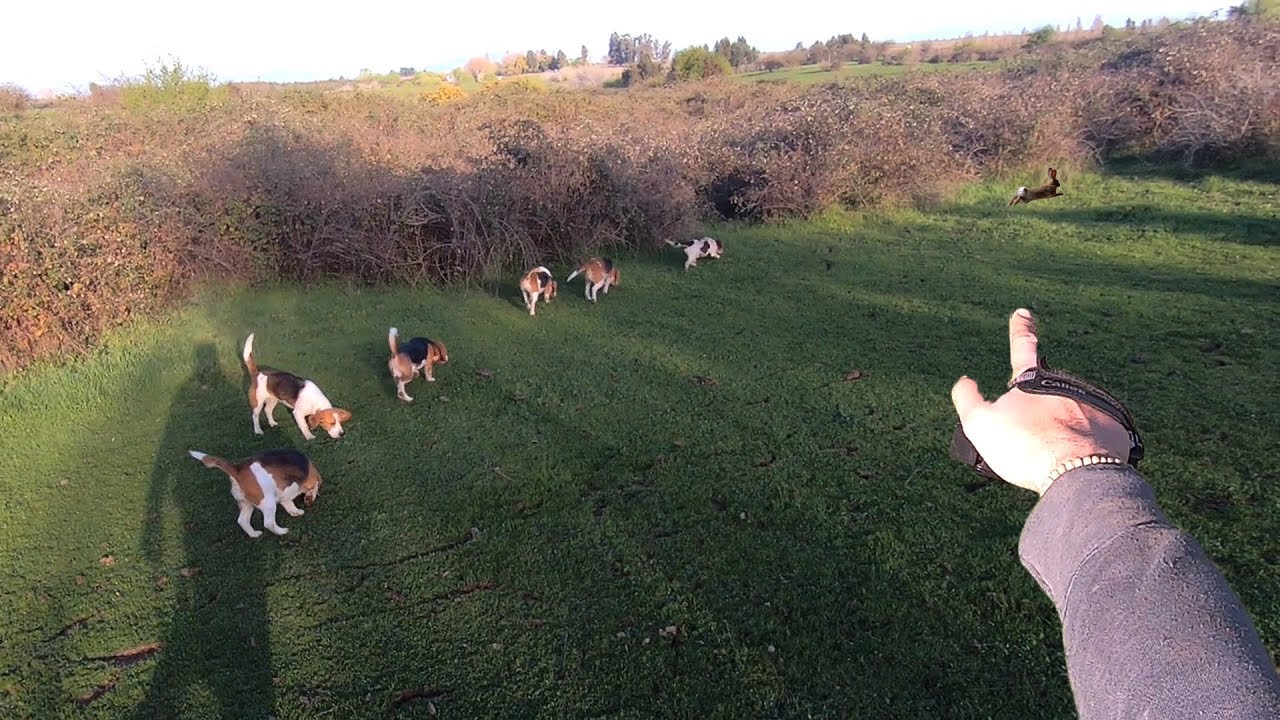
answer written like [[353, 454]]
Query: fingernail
[[1023, 312]]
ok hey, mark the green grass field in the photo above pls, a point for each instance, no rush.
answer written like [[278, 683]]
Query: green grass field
[[814, 74], [685, 453]]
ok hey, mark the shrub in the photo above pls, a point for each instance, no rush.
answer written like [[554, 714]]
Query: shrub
[[13, 98], [169, 85], [444, 93], [1042, 36], [699, 63]]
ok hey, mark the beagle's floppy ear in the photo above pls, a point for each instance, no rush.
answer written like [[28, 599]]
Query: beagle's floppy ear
[[327, 417]]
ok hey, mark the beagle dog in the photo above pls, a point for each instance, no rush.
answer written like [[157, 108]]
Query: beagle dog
[[695, 250], [536, 283], [265, 480], [408, 358], [599, 274], [1048, 190], [311, 409]]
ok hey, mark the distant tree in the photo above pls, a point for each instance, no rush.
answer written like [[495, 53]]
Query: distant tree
[[646, 47], [478, 67], [531, 61], [817, 53], [799, 46], [743, 53], [584, 57], [1041, 36], [772, 63], [560, 60], [1097, 24], [722, 48], [1254, 9], [614, 49], [1079, 24], [1129, 24], [514, 64], [697, 63], [627, 50], [407, 72]]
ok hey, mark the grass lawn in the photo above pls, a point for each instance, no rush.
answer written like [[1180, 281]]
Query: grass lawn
[[684, 453], [813, 74]]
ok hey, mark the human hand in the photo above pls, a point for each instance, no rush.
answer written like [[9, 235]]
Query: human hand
[[1024, 436]]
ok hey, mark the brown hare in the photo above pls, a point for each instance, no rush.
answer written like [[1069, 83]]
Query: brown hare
[[1026, 194]]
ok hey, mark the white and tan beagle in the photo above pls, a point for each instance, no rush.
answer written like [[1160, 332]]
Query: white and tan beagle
[[536, 283], [311, 409], [265, 480], [600, 273], [695, 250], [418, 354]]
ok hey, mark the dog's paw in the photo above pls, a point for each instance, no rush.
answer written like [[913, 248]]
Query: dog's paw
[[430, 379], [406, 398], [280, 530], [296, 512], [309, 436], [257, 431], [255, 534]]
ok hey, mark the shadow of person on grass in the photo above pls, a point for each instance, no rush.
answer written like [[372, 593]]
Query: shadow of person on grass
[[215, 659]]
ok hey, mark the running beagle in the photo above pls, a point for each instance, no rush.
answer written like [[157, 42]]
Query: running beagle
[[599, 274], [536, 283], [695, 250], [410, 357], [311, 409]]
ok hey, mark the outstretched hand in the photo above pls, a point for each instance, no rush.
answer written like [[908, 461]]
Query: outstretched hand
[[1022, 436]]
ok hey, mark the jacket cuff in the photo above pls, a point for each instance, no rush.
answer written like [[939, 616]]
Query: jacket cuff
[[1082, 511]]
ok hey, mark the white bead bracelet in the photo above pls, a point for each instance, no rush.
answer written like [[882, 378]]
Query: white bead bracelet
[[1079, 462]]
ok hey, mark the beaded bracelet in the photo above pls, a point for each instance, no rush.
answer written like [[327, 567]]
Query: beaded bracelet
[[1081, 462]]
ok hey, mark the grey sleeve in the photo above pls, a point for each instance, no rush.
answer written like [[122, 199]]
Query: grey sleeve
[[1150, 627]]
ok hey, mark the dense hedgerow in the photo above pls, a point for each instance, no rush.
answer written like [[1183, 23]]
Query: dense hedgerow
[[114, 204]]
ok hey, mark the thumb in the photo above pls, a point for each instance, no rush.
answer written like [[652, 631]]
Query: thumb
[[966, 397]]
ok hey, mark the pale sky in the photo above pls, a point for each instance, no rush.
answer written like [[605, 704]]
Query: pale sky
[[63, 46]]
